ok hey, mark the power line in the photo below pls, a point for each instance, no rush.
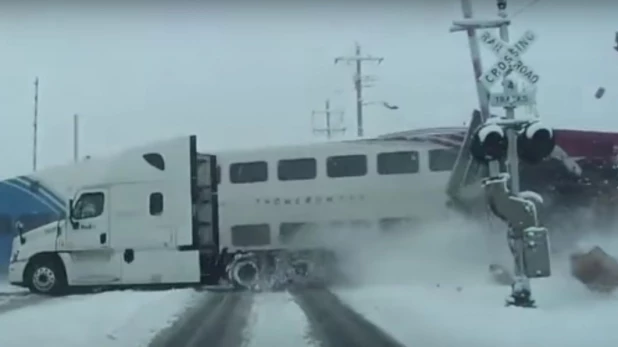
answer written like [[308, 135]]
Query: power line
[[329, 130], [358, 59]]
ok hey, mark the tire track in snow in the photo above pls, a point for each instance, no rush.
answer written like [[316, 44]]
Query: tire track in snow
[[334, 324], [218, 320], [276, 320]]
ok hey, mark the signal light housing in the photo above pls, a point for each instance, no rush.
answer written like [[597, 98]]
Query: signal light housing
[[489, 143], [535, 143]]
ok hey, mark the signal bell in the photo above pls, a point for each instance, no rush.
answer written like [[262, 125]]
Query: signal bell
[[489, 143], [535, 143]]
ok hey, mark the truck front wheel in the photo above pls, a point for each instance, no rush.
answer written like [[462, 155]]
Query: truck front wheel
[[46, 276]]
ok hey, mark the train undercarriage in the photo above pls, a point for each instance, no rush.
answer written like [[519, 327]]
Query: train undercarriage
[[280, 269]]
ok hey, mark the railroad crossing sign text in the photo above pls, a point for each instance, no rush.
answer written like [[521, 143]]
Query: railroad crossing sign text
[[511, 99], [509, 58]]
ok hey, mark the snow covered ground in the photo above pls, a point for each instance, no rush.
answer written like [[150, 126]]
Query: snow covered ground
[[276, 320], [110, 319], [476, 317], [434, 290], [6, 288]]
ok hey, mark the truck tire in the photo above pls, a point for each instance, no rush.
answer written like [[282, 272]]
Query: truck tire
[[46, 276]]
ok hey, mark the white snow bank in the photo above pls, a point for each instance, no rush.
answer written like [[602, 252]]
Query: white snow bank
[[110, 319], [472, 316], [432, 288], [276, 320]]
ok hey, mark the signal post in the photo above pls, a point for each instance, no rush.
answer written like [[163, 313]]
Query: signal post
[[508, 140]]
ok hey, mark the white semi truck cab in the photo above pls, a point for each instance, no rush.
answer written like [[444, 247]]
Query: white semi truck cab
[[146, 216]]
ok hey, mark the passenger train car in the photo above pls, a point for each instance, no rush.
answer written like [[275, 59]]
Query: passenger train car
[[268, 195]]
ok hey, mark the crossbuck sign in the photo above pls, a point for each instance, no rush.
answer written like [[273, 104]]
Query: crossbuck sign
[[510, 58]]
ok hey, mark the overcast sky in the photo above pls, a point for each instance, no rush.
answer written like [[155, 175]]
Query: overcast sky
[[241, 76]]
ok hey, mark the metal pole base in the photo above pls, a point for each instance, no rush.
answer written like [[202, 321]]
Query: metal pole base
[[521, 295]]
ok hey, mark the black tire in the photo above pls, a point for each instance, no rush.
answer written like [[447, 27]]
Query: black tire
[[46, 276]]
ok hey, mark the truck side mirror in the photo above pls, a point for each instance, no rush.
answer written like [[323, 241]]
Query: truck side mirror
[[19, 226]]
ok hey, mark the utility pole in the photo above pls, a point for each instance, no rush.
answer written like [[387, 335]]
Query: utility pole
[[35, 123], [76, 137], [329, 129], [358, 82]]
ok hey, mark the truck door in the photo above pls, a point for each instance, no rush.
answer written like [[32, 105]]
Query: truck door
[[87, 238], [89, 229]]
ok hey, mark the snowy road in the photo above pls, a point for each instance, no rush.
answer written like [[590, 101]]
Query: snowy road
[[416, 296], [13, 302], [13, 298], [178, 318], [218, 319], [475, 316], [413, 314], [307, 318], [109, 319], [335, 324]]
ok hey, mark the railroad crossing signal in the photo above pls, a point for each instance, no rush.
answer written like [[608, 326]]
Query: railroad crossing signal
[[511, 97], [509, 56]]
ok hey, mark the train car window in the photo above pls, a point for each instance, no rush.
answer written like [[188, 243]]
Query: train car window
[[156, 204], [289, 231], [395, 224], [251, 235], [6, 224], [297, 169], [360, 224], [394, 163], [89, 205], [442, 159], [351, 224], [249, 172], [346, 166]]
